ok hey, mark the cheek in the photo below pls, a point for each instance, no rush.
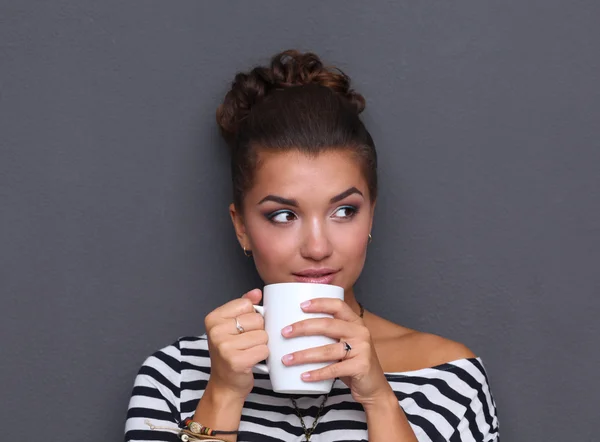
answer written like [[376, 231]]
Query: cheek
[[352, 238], [352, 248], [272, 248]]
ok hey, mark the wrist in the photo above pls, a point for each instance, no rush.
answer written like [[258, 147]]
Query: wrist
[[386, 420], [222, 398], [382, 403], [220, 409]]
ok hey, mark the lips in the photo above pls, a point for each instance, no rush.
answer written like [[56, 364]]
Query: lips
[[316, 276]]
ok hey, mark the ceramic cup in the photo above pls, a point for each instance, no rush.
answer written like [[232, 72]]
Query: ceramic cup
[[281, 307]]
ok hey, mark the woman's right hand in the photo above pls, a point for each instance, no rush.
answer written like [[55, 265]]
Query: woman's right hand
[[233, 354]]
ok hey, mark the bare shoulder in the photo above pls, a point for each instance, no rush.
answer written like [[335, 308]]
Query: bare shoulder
[[437, 349], [402, 349]]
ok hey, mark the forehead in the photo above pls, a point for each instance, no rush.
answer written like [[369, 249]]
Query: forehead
[[292, 173]]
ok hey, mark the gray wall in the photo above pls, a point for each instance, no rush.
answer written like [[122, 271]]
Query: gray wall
[[114, 232]]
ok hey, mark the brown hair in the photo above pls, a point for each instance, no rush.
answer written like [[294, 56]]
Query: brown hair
[[295, 103]]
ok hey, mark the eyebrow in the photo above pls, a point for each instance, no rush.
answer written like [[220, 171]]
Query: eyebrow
[[294, 203], [345, 194]]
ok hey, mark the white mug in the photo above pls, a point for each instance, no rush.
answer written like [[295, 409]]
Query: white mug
[[281, 307]]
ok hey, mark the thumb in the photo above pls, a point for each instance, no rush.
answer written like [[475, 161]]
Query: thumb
[[254, 296]]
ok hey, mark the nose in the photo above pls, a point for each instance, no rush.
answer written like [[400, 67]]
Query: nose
[[316, 245]]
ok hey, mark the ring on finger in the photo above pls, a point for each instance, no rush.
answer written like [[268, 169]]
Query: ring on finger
[[347, 348], [239, 327]]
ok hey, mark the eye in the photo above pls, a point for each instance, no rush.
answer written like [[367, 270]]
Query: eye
[[281, 216], [345, 212]]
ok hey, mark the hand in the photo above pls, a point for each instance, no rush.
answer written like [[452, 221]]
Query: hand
[[233, 354], [360, 370]]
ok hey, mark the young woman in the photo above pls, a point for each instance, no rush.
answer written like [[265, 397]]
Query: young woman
[[305, 187]]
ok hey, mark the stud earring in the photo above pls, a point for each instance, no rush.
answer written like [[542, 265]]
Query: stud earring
[[370, 239]]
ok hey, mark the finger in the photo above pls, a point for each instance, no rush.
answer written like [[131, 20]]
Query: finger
[[248, 321], [254, 295], [334, 328], [337, 370], [233, 308], [324, 353], [336, 307], [252, 356], [246, 341]]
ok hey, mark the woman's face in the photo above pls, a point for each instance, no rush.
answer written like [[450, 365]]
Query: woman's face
[[307, 219]]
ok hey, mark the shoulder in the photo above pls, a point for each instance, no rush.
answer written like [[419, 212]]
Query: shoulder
[[163, 364], [438, 350], [408, 350], [168, 360], [460, 385], [163, 369]]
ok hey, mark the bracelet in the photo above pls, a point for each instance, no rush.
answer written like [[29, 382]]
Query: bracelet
[[198, 428], [184, 434]]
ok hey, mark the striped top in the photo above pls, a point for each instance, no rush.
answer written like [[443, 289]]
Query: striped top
[[449, 402]]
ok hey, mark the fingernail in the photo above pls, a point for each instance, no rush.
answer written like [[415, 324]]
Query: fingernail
[[287, 358], [305, 376], [286, 330], [305, 304]]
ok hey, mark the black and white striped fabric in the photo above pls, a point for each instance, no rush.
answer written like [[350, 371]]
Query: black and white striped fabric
[[451, 402]]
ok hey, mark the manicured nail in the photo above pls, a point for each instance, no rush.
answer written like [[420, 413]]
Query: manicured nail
[[305, 304], [287, 358], [305, 376], [286, 330]]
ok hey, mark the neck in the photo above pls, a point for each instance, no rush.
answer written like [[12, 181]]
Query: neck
[[350, 299]]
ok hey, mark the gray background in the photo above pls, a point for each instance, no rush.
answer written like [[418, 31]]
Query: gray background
[[114, 185]]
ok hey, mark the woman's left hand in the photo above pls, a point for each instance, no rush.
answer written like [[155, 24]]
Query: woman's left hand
[[359, 368]]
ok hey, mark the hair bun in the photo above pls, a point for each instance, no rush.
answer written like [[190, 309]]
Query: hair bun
[[287, 69]]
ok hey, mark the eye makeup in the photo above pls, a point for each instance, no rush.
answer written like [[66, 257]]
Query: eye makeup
[[285, 216], [349, 208], [271, 216]]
